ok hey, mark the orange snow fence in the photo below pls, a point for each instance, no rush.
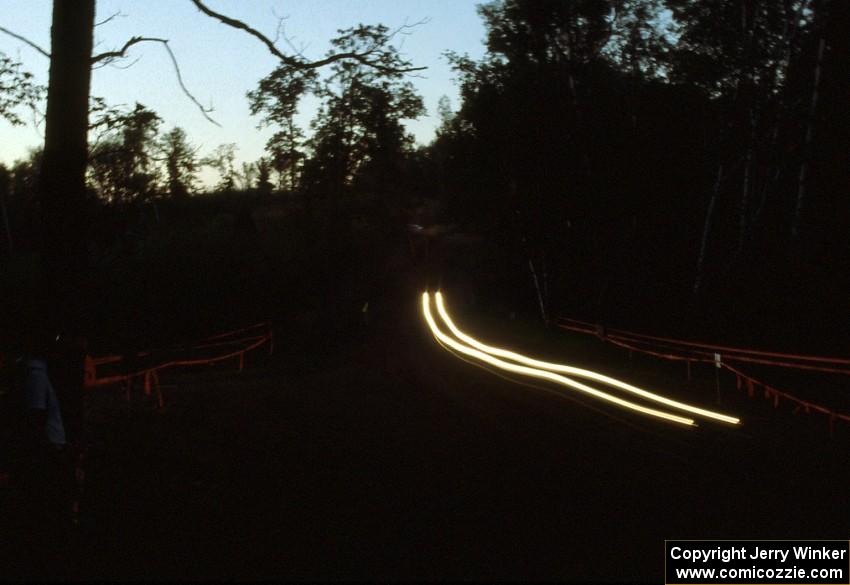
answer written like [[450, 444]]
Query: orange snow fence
[[108, 370], [721, 356]]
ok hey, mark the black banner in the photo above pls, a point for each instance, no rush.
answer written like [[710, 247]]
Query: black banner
[[761, 562]]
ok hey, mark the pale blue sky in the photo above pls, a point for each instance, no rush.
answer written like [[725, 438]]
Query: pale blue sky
[[219, 64]]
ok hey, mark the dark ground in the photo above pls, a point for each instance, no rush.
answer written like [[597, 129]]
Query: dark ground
[[383, 457]]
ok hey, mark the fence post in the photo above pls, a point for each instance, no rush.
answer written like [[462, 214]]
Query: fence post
[[159, 399], [717, 364], [90, 371]]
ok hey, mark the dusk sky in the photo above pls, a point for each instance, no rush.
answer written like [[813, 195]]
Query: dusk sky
[[219, 64]]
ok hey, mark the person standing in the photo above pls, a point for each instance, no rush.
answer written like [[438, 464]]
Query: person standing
[[47, 477], [44, 414]]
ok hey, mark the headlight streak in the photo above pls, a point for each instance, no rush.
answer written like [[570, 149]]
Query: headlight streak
[[542, 374], [575, 371], [517, 379]]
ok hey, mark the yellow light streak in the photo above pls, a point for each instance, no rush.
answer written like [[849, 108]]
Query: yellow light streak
[[541, 374], [575, 371]]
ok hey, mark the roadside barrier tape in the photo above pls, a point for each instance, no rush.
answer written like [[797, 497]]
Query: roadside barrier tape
[[183, 362], [207, 361], [774, 394], [769, 391], [235, 331], [231, 342], [614, 338], [111, 359], [708, 346], [150, 374], [582, 373], [541, 374]]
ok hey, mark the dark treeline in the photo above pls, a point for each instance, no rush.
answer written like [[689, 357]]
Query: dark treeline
[[668, 165], [358, 144], [167, 256]]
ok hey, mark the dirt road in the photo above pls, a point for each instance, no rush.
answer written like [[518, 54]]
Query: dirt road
[[386, 457]]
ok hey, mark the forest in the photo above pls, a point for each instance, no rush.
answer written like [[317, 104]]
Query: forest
[[242, 354], [671, 165]]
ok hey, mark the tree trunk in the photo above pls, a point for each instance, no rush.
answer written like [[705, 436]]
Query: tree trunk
[[4, 193], [62, 182], [541, 303], [744, 207], [780, 81], [706, 230], [807, 146], [749, 20]]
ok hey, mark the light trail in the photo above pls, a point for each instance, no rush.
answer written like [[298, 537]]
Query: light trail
[[575, 371], [541, 374]]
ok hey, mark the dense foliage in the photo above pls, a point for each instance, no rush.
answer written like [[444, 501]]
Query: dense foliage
[[672, 158], [651, 163]]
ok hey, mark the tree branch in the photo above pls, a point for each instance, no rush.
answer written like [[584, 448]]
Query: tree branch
[[280, 33], [110, 56], [242, 26], [105, 20], [25, 40], [111, 64], [204, 111], [292, 61]]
